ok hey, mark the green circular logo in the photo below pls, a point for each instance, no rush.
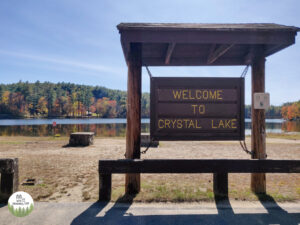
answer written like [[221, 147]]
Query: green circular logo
[[20, 204]]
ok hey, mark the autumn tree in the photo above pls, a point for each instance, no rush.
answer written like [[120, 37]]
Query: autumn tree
[[291, 111], [62, 99], [42, 106]]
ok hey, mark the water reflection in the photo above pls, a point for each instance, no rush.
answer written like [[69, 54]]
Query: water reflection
[[118, 129], [291, 126], [101, 130]]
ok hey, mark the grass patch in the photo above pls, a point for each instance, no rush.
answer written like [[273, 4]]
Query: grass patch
[[117, 193], [110, 137], [293, 136], [39, 192], [155, 192], [56, 137], [28, 139], [275, 197], [248, 195], [288, 136], [13, 142]]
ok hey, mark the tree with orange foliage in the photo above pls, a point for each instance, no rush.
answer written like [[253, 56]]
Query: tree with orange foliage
[[284, 112], [111, 109], [291, 111]]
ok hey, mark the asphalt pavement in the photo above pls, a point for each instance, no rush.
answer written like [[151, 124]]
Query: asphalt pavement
[[208, 213]]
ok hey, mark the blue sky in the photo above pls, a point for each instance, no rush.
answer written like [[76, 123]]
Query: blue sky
[[77, 41]]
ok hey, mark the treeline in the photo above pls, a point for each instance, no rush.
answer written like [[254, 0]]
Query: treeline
[[274, 112], [288, 111], [24, 99], [291, 111]]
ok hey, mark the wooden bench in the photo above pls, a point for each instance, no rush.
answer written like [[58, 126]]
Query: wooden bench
[[219, 167], [9, 169], [81, 139]]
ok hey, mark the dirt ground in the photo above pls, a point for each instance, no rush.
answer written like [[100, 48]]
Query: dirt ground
[[70, 174]]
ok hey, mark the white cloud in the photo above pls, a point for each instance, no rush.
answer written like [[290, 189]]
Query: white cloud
[[64, 62]]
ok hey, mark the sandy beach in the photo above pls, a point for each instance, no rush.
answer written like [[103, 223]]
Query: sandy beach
[[68, 174]]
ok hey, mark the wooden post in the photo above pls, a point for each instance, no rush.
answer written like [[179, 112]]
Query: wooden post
[[104, 187], [221, 184], [10, 181], [258, 136], [133, 132]]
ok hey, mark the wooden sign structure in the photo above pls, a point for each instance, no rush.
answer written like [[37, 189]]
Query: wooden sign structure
[[197, 108], [171, 44]]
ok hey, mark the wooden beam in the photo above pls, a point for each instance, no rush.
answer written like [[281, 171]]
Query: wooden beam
[[171, 47], [221, 184], [7, 165], [218, 52], [9, 169], [125, 47], [193, 61], [207, 37], [211, 50], [199, 166], [258, 134], [249, 56], [274, 48], [104, 187], [133, 129]]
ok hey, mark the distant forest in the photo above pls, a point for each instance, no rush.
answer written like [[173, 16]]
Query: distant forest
[[24, 99], [288, 111]]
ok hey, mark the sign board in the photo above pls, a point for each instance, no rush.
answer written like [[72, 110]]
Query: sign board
[[197, 108], [261, 100]]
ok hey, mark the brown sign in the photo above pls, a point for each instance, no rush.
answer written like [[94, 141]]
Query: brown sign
[[197, 108]]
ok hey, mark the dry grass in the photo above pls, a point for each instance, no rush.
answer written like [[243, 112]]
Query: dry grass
[[288, 136], [70, 174]]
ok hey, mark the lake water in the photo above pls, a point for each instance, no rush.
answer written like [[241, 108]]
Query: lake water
[[107, 127]]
